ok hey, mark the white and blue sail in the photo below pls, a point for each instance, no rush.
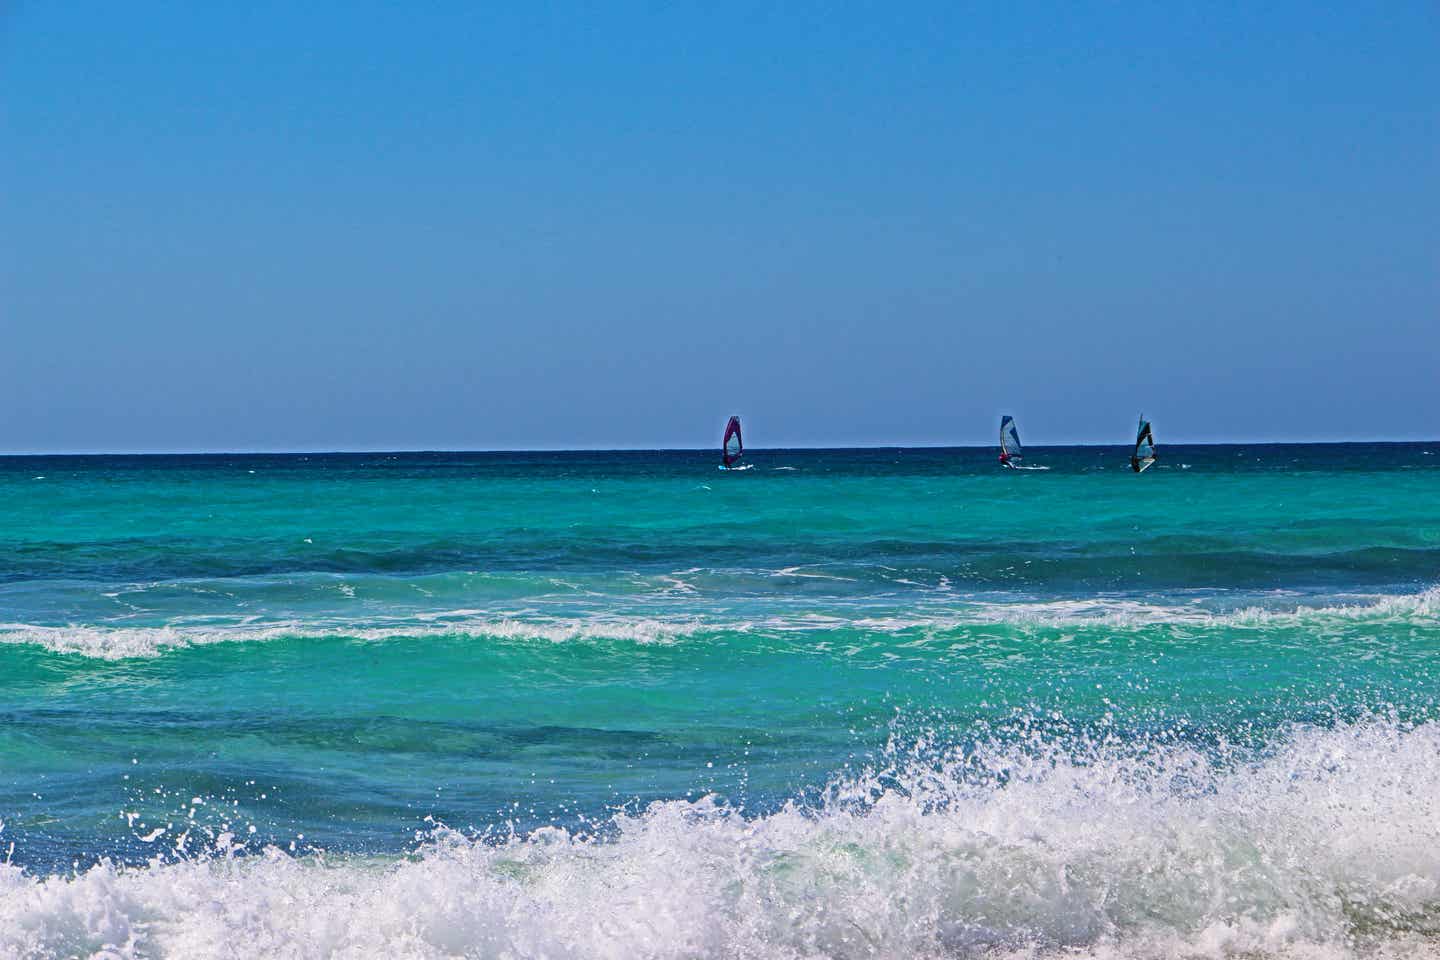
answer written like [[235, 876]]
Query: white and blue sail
[[1010, 449]]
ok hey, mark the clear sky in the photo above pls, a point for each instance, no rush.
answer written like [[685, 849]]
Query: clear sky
[[453, 225]]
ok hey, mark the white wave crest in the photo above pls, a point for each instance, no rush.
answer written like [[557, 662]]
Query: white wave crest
[[1122, 612], [1329, 846], [121, 642]]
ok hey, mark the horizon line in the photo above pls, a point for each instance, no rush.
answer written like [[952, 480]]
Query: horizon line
[[295, 451]]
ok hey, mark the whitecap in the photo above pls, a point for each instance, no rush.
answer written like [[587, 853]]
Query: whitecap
[[531, 625], [1324, 845]]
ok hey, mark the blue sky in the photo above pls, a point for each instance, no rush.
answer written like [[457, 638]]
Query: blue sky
[[367, 225]]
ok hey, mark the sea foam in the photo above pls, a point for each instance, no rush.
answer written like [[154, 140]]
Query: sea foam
[[1324, 844], [1116, 613]]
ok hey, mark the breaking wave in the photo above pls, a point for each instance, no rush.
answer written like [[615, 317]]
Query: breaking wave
[[1119, 614], [1035, 841]]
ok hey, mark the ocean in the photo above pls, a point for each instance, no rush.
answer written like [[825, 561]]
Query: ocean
[[880, 703]]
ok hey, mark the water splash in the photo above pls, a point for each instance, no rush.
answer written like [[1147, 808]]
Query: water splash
[[1038, 840]]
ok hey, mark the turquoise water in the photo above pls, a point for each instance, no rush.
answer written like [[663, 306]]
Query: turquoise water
[[881, 703]]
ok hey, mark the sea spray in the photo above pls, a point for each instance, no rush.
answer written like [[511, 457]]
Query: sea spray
[[1322, 843]]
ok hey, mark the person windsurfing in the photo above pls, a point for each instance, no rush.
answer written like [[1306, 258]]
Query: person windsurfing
[[1009, 442], [1144, 455], [732, 448]]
